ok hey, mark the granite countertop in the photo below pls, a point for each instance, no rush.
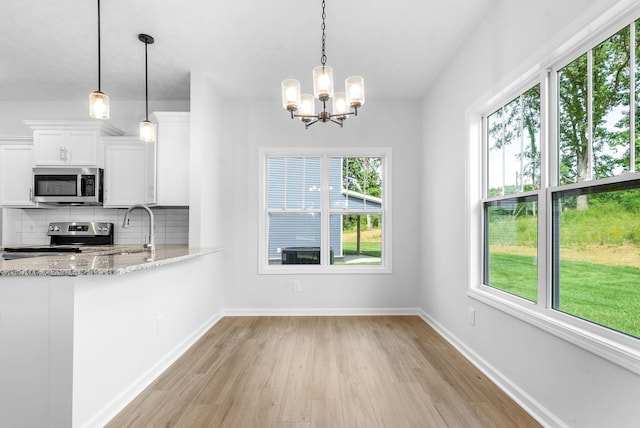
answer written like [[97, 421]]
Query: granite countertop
[[108, 260]]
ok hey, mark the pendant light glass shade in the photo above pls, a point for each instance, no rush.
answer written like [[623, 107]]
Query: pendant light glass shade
[[147, 131], [291, 94], [354, 87], [99, 105], [323, 82]]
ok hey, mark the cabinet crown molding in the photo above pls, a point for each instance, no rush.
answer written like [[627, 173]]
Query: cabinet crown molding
[[66, 125]]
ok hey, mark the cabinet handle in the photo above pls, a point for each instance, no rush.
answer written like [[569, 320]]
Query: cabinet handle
[[62, 156], [30, 194]]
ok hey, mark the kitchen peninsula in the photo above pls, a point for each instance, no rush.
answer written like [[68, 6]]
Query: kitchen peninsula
[[83, 334], [111, 260]]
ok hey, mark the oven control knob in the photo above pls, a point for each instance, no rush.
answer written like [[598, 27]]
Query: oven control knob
[[50, 228]]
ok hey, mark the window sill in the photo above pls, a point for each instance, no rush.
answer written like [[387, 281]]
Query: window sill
[[323, 270], [615, 347]]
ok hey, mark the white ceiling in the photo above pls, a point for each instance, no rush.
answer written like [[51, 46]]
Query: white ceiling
[[48, 49]]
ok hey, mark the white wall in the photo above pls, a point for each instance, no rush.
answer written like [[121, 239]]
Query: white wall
[[128, 329], [261, 123], [576, 387], [205, 152]]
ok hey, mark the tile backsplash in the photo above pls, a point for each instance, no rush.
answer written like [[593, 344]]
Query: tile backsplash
[[29, 226]]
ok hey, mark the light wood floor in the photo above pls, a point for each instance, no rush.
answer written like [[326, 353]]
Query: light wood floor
[[322, 372]]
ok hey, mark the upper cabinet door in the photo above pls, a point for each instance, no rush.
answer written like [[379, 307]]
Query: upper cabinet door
[[78, 148], [60, 143], [16, 188], [48, 148], [81, 147], [126, 172]]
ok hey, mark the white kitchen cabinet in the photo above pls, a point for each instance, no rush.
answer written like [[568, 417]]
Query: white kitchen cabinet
[[16, 188], [172, 158], [64, 143], [129, 172]]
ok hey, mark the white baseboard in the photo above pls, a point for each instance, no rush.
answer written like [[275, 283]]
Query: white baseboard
[[242, 312], [528, 403], [125, 397]]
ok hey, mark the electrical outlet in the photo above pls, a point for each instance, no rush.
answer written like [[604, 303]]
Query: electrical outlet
[[472, 316], [296, 285]]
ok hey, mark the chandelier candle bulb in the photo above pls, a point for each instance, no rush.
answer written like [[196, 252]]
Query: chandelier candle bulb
[[307, 107], [340, 107], [291, 94], [323, 82], [354, 86]]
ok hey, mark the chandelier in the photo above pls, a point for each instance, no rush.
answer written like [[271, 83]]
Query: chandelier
[[303, 106]]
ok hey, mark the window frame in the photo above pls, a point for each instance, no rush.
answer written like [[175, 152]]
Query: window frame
[[617, 347], [385, 267]]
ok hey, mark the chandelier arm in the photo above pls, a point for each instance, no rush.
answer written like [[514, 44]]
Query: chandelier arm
[[314, 116], [339, 122], [349, 113], [308, 124]]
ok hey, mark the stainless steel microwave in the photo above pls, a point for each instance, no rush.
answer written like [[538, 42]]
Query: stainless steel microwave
[[68, 186]]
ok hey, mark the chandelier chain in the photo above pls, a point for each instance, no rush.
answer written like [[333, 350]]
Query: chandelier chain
[[323, 58]]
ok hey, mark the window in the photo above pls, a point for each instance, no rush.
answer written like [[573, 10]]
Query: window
[[511, 211], [559, 243], [595, 251], [596, 262], [325, 211]]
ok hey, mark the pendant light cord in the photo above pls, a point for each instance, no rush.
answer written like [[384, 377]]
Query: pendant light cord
[[146, 83], [99, 53]]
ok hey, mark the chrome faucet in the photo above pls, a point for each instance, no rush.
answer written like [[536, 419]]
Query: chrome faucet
[[125, 223]]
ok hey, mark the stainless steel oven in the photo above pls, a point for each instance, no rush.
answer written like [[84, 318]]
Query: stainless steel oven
[[68, 186], [67, 237]]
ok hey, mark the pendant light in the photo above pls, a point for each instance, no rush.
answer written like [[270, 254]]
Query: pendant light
[[147, 128], [302, 106], [98, 100]]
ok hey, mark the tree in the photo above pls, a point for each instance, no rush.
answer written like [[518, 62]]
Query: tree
[[578, 102], [361, 175], [518, 122]]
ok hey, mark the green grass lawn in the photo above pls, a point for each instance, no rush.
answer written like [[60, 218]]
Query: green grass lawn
[[372, 249], [606, 295]]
